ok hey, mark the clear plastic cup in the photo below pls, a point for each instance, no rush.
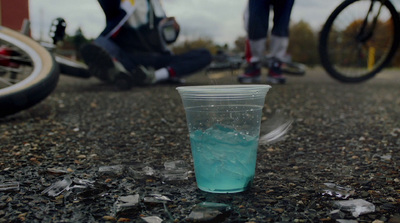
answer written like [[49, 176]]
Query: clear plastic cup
[[224, 127]]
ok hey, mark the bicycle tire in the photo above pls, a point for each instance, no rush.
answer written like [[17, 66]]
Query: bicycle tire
[[293, 68], [40, 80], [335, 58], [72, 68]]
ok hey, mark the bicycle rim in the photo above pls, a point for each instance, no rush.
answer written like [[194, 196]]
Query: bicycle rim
[[350, 55], [28, 74]]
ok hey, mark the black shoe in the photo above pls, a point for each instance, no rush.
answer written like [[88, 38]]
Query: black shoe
[[104, 67], [252, 74], [275, 75], [143, 76], [100, 63]]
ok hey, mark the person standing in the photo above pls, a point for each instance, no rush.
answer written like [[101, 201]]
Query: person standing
[[256, 19]]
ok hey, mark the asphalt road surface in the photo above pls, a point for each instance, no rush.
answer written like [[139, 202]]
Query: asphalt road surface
[[344, 134]]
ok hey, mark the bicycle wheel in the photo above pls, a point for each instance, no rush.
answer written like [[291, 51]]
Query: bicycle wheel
[[72, 68], [293, 68], [359, 38], [28, 72]]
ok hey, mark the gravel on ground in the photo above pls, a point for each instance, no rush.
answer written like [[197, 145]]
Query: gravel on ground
[[111, 148]]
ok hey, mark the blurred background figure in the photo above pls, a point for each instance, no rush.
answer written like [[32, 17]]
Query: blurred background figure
[[256, 19], [134, 43]]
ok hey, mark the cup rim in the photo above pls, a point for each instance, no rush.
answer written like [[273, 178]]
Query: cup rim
[[223, 87], [225, 92]]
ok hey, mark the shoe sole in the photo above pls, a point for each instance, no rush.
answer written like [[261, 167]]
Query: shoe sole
[[99, 62], [275, 81]]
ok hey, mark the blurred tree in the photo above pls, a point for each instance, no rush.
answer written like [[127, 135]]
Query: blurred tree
[[380, 41], [70, 45], [303, 43], [78, 40], [195, 44], [224, 47], [240, 44]]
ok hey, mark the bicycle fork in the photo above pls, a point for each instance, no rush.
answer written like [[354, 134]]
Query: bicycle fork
[[364, 34]]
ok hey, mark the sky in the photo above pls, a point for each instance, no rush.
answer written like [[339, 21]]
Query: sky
[[219, 20]]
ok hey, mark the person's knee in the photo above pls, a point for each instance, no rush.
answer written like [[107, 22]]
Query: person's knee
[[205, 55], [280, 32], [110, 46]]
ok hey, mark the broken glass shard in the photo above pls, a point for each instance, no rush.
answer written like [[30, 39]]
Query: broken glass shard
[[67, 184], [357, 207], [386, 157], [175, 170], [58, 187], [171, 175], [126, 204], [9, 186], [335, 190], [56, 171], [116, 169], [219, 206], [209, 211], [395, 132], [130, 199], [203, 214], [139, 171], [156, 198], [346, 221], [275, 129], [81, 183], [177, 164], [148, 171], [152, 219], [87, 183]]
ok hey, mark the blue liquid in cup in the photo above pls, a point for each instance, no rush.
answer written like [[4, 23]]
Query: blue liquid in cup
[[224, 160]]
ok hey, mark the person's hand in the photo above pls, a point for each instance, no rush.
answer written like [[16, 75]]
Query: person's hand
[[170, 29], [175, 23]]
